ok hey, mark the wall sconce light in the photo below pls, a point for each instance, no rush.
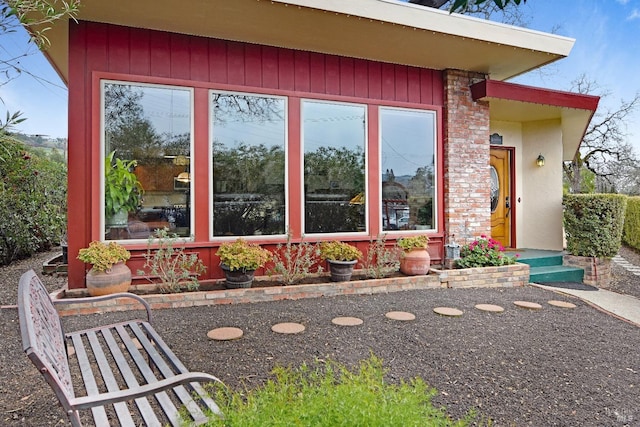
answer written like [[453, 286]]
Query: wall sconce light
[[540, 160]]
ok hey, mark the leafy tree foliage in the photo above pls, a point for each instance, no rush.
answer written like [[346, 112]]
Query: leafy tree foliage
[[32, 200], [37, 15]]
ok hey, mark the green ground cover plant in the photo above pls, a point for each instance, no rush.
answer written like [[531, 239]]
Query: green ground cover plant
[[328, 394]]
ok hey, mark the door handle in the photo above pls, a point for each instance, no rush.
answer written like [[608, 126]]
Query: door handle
[[507, 205]]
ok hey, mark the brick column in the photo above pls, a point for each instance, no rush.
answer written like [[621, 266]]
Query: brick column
[[467, 212]]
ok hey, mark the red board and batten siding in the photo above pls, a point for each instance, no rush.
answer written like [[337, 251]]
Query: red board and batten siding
[[99, 51]]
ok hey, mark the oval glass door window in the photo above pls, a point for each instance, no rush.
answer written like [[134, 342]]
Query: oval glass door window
[[495, 189]]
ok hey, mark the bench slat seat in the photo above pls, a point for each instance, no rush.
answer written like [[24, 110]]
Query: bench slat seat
[[129, 374]]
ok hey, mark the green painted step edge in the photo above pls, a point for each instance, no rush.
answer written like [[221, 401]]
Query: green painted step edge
[[542, 261], [556, 274]]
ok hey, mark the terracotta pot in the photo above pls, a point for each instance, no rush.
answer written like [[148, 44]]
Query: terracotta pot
[[416, 262], [117, 279], [341, 271], [237, 278]]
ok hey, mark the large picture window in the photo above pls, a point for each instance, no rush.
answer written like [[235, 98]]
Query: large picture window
[[408, 162], [248, 156], [334, 139], [147, 134]]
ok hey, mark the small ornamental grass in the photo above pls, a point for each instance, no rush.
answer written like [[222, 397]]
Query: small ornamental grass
[[328, 394], [381, 260], [102, 256], [484, 252], [167, 260], [294, 261]]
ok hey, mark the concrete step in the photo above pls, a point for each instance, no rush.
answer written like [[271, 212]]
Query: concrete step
[[546, 261], [556, 273], [539, 258]]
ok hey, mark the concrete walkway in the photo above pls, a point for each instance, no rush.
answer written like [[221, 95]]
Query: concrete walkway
[[624, 306]]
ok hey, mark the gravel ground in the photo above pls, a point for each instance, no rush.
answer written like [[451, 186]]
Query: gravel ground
[[552, 367]]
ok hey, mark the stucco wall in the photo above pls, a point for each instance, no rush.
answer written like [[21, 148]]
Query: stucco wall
[[541, 226], [538, 190]]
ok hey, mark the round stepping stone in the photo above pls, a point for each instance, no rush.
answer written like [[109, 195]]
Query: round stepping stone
[[448, 311], [400, 315], [527, 304], [288, 328], [346, 321], [562, 304], [225, 334], [490, 308]]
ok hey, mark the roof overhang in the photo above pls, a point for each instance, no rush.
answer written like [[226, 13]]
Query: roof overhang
[[518, 103], [381, 30]]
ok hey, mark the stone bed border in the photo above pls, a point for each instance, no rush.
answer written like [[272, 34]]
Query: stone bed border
[[504, 276]]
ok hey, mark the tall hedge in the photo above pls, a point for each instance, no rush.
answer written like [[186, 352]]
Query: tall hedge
[[631, 233], [593, 223], [33, 201]]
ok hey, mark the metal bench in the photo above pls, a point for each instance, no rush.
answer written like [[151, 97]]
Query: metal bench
[[130, 377]]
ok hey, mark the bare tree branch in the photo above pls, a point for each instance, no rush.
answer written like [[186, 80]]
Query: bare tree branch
[[604, 150]]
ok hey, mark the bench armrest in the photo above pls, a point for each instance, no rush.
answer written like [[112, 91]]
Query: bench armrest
[[138, 298], [87, 402]]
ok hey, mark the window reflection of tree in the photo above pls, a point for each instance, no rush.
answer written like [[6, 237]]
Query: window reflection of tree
[[333, 177], [407, 145], [132, 132], [248, 175]]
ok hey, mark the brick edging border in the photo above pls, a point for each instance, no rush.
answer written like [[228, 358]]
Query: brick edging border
[[504, 276]]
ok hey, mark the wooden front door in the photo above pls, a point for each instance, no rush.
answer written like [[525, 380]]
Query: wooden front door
[[501, 217]]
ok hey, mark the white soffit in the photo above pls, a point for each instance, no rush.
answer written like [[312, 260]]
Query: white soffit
[[380, 30]]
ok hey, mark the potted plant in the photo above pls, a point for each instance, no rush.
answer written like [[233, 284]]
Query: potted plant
[[239, 260], [341, 258], [415, 258], [122, 189], [109, 273]]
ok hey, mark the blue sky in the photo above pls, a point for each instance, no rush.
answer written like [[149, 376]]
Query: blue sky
[[607, 48]]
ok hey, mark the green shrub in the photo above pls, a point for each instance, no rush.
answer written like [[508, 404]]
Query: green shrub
[[593, 224], [33, 201], [330, 395], [631, 231]]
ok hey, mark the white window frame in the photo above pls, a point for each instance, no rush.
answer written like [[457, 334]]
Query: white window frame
[[212, 237], [366, 168], [436, 171], [192, 209]]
